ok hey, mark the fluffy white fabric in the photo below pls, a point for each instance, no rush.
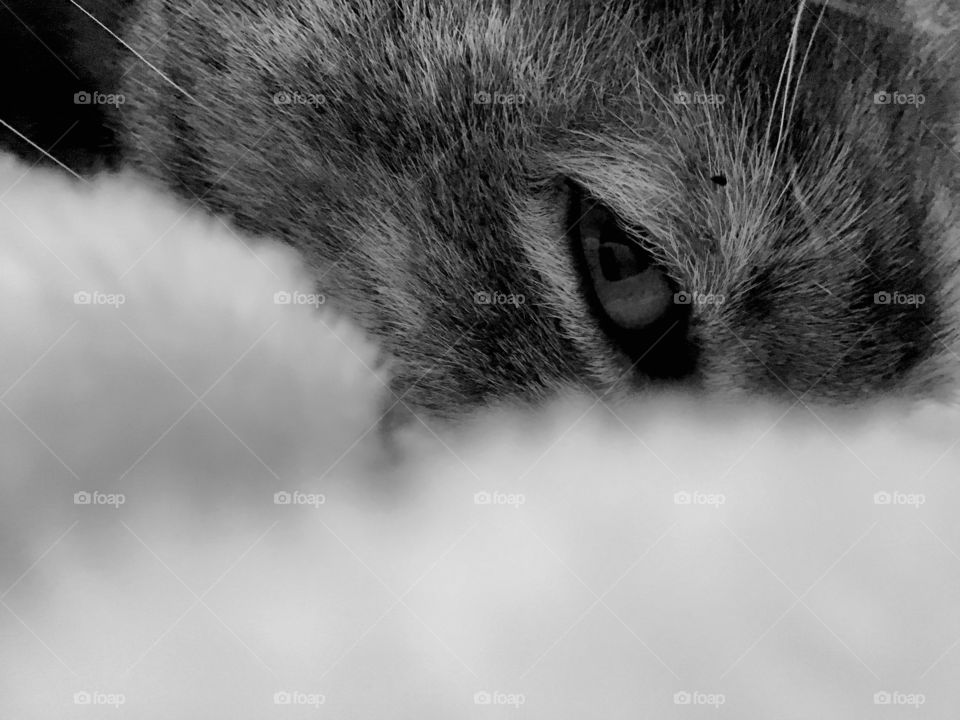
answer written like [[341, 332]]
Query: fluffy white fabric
[[586, 588]]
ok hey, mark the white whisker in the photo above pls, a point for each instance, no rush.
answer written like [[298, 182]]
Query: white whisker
[[792, 57], [141, 57], [32, 144], [803, 65]]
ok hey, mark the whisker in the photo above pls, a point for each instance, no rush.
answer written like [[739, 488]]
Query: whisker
[[776, 95], [792, 54], [786, 71], [138, 55], [32, 144], [803, 65]]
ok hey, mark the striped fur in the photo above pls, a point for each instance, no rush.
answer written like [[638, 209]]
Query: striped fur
[[409, 195]]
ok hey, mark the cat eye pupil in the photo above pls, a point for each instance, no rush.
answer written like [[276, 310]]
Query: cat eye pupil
[[619, 261], [608, 262]]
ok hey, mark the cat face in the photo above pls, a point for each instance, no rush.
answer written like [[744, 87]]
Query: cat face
[[521, 200]]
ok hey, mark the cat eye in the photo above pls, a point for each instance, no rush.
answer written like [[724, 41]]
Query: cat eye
[[632, 297], [633, 292]]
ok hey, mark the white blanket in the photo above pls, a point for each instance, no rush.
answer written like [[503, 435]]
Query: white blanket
[[199, 517]]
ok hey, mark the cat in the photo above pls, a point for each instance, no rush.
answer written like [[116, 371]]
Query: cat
[[519, 199]]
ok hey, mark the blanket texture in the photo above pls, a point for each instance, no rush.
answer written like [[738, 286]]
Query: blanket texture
[[200, 516]]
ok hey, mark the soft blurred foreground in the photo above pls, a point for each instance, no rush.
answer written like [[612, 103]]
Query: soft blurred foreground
[[199, 517]]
